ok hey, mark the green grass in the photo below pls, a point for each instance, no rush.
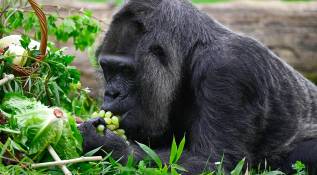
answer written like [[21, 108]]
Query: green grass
[[152, 165]]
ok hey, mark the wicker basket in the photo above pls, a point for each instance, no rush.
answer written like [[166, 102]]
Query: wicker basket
[[26, 71]]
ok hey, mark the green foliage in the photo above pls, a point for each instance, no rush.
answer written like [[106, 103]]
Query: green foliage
[[25, 41], [152, 154], [56, 83], [238, 169], [110, 166], [172, 168], [81, 27], [299, 167]]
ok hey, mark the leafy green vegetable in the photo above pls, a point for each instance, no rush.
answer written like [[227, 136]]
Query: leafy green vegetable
[[42, 126], [67, 147]]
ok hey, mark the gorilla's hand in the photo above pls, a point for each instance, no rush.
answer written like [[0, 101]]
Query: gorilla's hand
[[108, 140]]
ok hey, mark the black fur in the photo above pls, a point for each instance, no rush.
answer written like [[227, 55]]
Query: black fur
[[171, 70]]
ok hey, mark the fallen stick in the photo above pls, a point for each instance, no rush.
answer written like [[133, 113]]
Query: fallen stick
[[6, 78], [56, 158], [63, 162]]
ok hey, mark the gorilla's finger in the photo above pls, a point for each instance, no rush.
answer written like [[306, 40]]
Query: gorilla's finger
[[83, 127], [98, 121], [89, 128]]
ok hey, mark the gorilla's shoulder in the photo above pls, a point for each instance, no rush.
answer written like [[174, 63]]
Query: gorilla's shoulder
[[232, 50]]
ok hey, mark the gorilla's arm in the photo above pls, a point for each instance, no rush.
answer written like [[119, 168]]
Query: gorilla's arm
[[119, 149]]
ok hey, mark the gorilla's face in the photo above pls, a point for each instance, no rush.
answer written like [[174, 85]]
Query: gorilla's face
[[142, 72]]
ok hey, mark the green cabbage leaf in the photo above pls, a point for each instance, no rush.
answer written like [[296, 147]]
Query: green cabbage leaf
[[42, 126]]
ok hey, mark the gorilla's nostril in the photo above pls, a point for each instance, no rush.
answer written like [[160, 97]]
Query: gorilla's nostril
[[115, 95]]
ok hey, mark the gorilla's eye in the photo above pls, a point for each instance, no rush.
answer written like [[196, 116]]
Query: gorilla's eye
[[158, 51], [139, 26], [128, 71]]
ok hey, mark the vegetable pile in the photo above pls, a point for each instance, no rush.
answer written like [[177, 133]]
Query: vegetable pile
[[38, 109]]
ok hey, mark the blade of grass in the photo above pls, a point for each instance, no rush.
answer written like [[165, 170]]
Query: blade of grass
[[151, 153], [238, 169], [173, 153], [180, 149]]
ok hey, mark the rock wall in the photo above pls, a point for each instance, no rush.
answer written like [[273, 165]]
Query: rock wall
[[289, 29]]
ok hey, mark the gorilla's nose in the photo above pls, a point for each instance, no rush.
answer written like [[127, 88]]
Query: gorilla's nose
[[111, 99]]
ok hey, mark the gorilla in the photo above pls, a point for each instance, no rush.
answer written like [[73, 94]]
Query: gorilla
[[172, 71]]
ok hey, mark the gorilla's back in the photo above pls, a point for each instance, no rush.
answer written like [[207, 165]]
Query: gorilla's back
[[291, 107], [307, 100]]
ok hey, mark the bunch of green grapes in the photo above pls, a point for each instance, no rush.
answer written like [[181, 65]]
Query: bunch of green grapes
[[112, 123]]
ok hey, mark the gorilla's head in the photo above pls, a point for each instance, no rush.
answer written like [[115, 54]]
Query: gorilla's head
[[143, 58]]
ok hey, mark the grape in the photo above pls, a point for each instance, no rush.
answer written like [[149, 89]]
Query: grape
[[112, 127], [95, 114], [108, 121], [120, 132], [102, 113], [100, 128], [124, 137], [108, 114], [115, 120]]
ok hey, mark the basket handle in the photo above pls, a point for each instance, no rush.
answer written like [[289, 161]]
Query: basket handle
[[43, 24]]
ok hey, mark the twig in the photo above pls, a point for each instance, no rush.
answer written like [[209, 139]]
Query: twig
[[56, 158], [63, 162], [6, 79]]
